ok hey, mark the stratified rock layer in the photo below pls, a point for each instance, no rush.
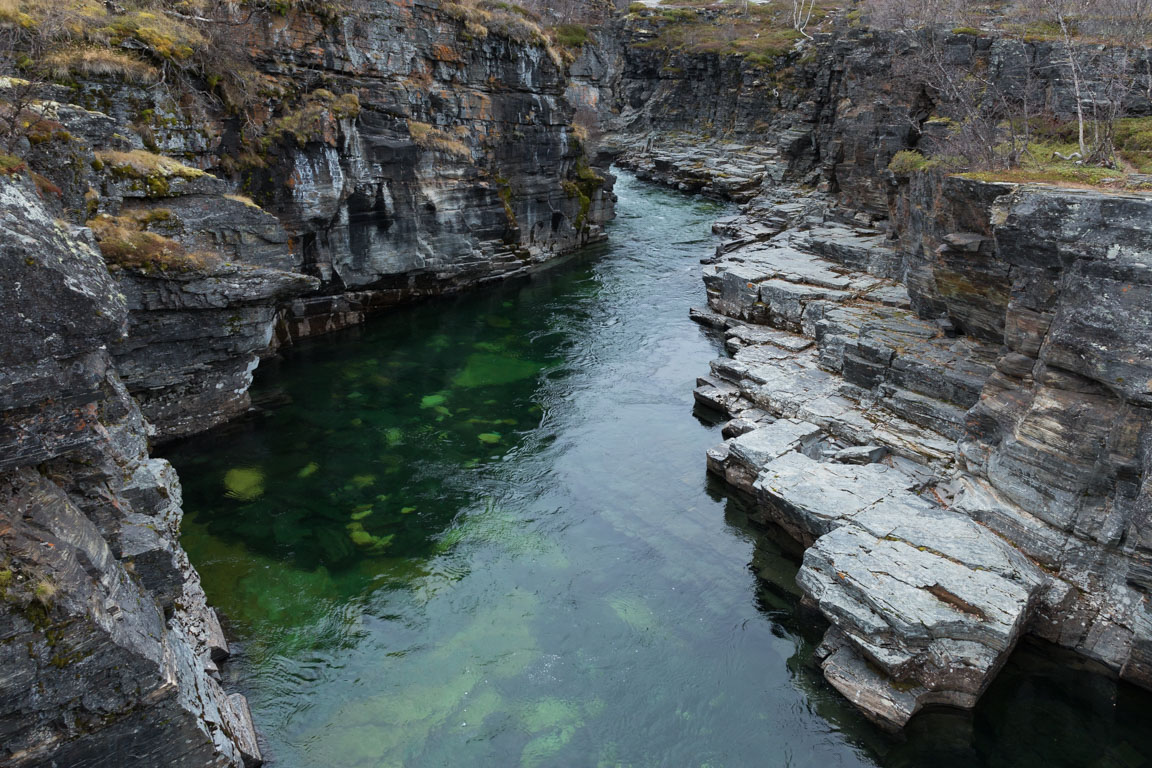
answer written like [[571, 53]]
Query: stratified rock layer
[[956, 491], [109, 638]]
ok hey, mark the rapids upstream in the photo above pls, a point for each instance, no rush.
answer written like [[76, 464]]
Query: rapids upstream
[[479, 532]]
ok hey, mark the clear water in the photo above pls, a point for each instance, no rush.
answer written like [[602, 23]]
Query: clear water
[[478, 532]]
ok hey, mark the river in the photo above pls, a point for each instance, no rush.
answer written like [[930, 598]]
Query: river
[[478, 532]]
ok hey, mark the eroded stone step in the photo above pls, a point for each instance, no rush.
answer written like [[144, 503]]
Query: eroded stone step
[[932, 601], [925, 603]]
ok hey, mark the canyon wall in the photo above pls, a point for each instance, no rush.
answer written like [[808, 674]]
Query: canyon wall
[[401, 153], [986, 342], [939, 384], [110, 646], [158, 241]]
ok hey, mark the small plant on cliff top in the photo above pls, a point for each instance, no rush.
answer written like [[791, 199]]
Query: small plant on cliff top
[[759, 33], [909, 161], [502, 19]]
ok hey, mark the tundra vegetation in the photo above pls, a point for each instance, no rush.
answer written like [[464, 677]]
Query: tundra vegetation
[[759, 32], [995, 114]]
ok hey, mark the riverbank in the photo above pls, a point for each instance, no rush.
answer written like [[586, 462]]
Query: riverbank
[[886, 413]]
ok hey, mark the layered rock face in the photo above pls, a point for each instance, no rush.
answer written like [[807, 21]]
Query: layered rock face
[[460, 164], [1059, 442], [399, 151], [110, 643], [196, 334], [966, 452]]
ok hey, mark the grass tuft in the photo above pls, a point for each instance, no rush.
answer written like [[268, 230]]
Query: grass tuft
[[99, 63], [126, 244], [433, 139]]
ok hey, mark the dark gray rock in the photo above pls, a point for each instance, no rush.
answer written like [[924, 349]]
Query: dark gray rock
[[859, 454], [195, 339], [98, 596]]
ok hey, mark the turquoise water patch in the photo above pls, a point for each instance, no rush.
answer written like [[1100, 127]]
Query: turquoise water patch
[[485, 370]]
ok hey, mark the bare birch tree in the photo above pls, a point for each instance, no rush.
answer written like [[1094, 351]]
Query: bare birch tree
[[801, 14]]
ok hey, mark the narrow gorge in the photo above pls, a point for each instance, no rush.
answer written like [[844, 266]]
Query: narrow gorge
[[367, 401]]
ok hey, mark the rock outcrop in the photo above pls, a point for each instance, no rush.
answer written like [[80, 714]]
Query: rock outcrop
[[110, 644], [956, 489]]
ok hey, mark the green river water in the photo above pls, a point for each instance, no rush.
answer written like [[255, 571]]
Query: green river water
[[478, 532]]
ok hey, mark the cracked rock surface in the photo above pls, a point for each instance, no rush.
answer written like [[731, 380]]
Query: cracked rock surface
[[956, 489]]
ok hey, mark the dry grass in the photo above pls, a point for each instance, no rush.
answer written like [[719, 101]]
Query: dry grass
[[45, 592], [433, 139], [243, 199], [126, 244], [143, 25], [139, 163], [99, 62]]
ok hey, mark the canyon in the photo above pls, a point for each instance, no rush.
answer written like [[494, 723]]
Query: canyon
[[938, 384]]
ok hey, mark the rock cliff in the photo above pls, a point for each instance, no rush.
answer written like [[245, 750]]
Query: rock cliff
[[399, 151], [461, 162], [110, 643], [937, 383]]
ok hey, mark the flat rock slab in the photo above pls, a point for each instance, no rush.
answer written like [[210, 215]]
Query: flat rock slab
[[811, 498], [792, 342], [867, 251], [757, 448], [932, 600], [891, 296]]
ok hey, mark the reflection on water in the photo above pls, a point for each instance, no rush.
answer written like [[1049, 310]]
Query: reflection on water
[[478, 532]]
